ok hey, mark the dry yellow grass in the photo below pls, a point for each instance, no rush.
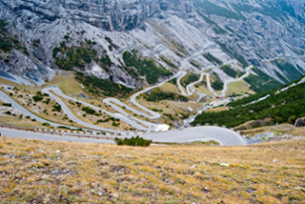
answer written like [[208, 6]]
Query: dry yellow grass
[[218, 109], [283, 129], [19, 86], [92, 119], [8, 82], [204, 90], [54, 172], [173, 108], [66, 82], [168, 87], [238, 87], [25, 98]]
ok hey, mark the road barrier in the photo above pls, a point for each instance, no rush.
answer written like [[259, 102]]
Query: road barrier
[[56, 133]]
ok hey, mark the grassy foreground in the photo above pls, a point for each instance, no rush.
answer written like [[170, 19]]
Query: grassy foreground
[[54, 172]]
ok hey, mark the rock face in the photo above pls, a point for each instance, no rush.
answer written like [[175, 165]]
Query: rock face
[[300, 122], [268, 34]]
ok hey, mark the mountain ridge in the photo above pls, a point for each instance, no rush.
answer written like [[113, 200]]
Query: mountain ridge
[[237, 32]]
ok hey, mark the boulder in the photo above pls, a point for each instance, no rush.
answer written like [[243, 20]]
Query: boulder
[[300, 122]]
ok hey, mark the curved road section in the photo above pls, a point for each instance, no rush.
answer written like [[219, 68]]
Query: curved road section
[[153, 115], [122, 115], [225, 137], [28, 113], [72, 116]]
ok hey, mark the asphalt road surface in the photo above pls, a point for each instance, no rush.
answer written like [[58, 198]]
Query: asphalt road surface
[[50, 137], [224, 136]]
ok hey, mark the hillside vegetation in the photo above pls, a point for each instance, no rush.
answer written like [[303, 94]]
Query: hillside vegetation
[[100, 86], [53, 172], [145, 67], [281, 107]]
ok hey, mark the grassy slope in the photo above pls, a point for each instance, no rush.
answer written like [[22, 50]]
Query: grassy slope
[[285, 107], [53, 172], [238, 87], [67, 83]]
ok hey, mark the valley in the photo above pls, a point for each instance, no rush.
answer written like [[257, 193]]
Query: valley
[[145, 101]]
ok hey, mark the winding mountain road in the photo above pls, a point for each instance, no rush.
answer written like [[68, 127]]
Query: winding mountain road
[[25, 112], [67, 111], [153, 115], [223, 136]]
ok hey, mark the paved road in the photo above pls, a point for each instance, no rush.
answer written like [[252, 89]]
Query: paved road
[[224, 136], [40, 136], [25, 112], [122, 115], [153, 115], [180, 87], [67, 111], [248, 69], [115, 103]]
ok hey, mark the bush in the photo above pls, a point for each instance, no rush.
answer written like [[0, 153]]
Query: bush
[[37, 98], [134, 141], [7, 112], [89, 110], [7, 104], [57, 107]]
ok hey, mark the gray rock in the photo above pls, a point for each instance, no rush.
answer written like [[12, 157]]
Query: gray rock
[[172, 28], [300, 122]]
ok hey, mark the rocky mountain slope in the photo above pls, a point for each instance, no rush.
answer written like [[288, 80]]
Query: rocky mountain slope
[[92, 37]]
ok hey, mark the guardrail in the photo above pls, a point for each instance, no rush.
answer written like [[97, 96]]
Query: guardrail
[[54, 132]]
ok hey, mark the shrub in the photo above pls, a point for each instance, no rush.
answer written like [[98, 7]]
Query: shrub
[[7, 112], [133, 141], [89, 110], [57, 107], [7, 104]]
